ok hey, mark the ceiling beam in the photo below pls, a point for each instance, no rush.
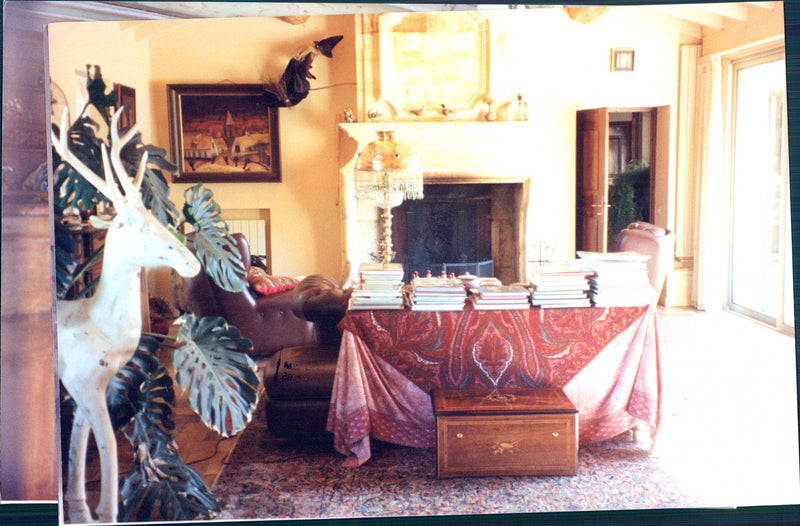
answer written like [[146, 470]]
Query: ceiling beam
[[764, 5], [733, 11], [692, 14]]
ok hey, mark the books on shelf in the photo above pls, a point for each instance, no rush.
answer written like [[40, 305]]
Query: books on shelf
[[380, 287], [560, 285], [620, 279], [434, 294]]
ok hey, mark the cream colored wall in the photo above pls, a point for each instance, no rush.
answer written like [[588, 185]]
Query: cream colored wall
[[305, 229], [123, 59], [306, 233], [560, 66]]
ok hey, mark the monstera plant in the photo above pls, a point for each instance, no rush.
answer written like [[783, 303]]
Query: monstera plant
[[206, 353]]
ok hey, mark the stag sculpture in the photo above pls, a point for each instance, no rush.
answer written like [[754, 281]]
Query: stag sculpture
[[98, 335]]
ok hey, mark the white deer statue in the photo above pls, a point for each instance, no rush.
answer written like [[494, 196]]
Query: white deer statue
[[98, 335]]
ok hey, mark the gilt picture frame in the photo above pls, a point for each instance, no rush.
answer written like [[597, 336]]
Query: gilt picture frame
[[223, 133]]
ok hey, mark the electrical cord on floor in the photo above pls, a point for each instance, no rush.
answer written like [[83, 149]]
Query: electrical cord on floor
[[214, 454]]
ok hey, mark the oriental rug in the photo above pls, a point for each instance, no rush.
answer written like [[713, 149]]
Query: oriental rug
[[268, 477]]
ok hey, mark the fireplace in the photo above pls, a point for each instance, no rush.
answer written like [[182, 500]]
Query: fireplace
[[475, 208], [458, 228]]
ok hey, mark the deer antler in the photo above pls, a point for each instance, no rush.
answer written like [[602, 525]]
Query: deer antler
[[117, 144], [105, 187]]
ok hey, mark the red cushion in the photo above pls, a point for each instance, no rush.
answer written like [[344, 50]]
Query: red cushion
[[264, 284]]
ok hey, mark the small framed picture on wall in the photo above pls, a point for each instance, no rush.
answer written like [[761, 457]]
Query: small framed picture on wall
[[126, 99]]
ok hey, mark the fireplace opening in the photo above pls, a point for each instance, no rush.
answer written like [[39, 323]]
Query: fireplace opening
[[459, 228]]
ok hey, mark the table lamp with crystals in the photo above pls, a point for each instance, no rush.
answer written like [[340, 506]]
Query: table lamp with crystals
[[387, 172]]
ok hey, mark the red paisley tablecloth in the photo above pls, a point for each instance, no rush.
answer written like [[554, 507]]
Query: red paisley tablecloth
[[605, 360]]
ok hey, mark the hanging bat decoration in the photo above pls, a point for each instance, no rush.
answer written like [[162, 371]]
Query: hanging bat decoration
[[293, 86], [96, 88], [326, 45]]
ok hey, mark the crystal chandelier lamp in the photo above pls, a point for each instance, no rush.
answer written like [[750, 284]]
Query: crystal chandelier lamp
[[387, 172]]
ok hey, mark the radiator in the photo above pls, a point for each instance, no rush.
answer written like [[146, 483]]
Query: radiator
[[255, 230]]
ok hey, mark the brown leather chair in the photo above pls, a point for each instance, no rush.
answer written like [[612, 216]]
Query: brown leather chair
[[654, 241], [299, 380], [268, 321]]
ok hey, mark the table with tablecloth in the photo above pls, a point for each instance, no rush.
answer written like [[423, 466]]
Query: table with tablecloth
[[605, 359]]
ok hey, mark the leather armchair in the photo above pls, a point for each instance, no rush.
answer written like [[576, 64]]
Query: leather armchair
[[299, 380], [268, 321], [654, 241]]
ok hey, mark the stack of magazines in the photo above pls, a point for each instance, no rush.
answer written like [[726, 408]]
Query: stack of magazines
[[620, 279], [437, 294], [380, 287], [496, 297], [560, 285]]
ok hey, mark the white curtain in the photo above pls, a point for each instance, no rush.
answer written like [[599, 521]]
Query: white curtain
[[710, 269]]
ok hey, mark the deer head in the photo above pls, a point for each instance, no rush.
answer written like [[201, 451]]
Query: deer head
[[134, 231]]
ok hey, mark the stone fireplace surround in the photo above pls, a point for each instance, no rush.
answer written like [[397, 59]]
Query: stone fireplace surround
[[451, 153]]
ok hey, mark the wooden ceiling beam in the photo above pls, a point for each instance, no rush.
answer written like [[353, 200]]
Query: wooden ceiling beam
[[692, 14], [733, 11]]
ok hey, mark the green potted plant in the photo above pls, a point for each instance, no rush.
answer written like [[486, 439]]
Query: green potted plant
[[221, 380]]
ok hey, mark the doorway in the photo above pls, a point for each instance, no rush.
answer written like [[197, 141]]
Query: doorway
[[614, 180]]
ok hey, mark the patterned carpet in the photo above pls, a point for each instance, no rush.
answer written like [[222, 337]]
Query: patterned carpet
[[273, 478], [711, 461]]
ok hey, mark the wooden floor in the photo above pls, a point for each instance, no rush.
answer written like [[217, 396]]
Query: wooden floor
[[683, 331]]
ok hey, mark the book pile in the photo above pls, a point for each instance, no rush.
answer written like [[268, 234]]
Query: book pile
[[495, 297], [560, 285], [380, 287], [437, 294], [620, 279]]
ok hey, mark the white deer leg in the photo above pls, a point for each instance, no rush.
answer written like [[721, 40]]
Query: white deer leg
[[97, 414], [76, 478]]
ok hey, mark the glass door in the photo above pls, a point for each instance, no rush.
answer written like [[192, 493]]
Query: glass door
[[761, 278]]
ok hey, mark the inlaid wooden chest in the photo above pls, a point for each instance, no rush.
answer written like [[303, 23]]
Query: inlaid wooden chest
[[505, 432]]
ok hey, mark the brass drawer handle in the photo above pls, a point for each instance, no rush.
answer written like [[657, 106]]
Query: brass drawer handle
[[459, 435], [555, 434]]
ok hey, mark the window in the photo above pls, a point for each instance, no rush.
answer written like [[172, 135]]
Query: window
[[760, 277]]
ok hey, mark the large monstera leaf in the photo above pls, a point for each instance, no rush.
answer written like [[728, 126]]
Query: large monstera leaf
[[165, 485], [214, 246], [158, 486], [221, 379]]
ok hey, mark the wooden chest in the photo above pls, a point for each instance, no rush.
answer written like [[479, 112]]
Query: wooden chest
[[505, 432]]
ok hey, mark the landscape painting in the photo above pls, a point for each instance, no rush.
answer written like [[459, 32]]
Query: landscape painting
[[224, 133]]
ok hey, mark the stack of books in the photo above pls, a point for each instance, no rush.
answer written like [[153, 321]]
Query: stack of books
[[380, 287], [620, 279], [437, 294], [496, 297], [560, 285]]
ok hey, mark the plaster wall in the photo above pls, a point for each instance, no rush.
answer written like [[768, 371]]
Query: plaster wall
[[559, 65]]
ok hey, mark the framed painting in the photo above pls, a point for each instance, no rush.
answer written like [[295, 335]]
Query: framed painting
[[126, 99], [223, 133]]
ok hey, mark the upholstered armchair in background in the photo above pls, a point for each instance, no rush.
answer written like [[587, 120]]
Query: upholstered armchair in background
[[299, 379], [265, 318], [654, 241]]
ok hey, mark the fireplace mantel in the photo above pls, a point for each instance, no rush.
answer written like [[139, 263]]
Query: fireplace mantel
[[450, 153], [453, 152]]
